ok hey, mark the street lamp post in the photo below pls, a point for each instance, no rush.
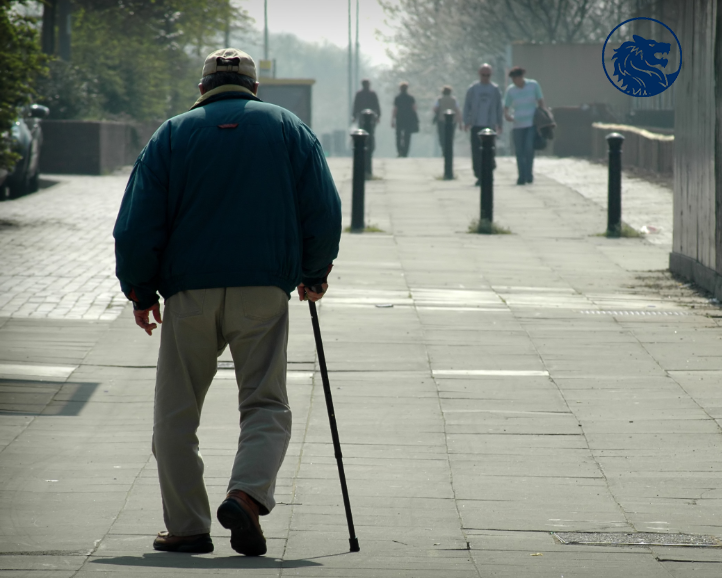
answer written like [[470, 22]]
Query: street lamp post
[[265, 29], [350, 59]]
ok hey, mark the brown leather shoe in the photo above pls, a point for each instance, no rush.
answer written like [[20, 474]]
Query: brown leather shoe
[[239, 513], [198, 544]]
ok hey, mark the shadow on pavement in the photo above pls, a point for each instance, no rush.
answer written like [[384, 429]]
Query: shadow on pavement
[[170, 560], [28, 397]]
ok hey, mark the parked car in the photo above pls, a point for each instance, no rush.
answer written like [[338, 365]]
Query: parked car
[[27, 140]]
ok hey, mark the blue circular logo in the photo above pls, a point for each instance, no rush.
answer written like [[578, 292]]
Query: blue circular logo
[[635, 67]]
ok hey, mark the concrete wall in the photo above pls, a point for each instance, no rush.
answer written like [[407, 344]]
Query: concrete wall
[[643, 149], [697, 240], [293, 94], [91, 147], [570, 74]]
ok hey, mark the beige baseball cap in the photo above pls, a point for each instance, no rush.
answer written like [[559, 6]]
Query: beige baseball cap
[[230, 60]]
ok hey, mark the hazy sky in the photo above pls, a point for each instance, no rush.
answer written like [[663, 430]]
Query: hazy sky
[[316, 20]]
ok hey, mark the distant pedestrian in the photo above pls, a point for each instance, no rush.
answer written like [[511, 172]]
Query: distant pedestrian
[[524, 96], [444, 103], [482, 109], [404, 119], [366, 98], [229, 208]]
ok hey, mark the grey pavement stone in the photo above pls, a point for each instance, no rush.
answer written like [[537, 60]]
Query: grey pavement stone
[[448, 475], [644, 204]]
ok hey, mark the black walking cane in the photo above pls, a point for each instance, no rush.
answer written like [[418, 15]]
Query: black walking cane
[[353, 540]]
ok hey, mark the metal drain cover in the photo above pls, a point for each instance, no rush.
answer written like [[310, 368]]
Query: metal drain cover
[[630, 312], [636, 539]]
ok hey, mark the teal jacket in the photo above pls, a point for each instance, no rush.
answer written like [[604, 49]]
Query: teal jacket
[[234, 192]]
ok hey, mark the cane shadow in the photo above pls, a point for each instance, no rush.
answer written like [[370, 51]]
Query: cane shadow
[[205, 562]]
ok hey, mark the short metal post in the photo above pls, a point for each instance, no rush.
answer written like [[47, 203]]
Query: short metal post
[[488, 139], [357, 194], [614, 190], [449, 144], [368, 123]]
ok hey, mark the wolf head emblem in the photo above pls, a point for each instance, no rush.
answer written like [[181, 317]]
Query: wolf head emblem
[[638, 68]]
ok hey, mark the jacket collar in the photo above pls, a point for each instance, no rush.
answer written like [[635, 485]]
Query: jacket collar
[[225, 91]]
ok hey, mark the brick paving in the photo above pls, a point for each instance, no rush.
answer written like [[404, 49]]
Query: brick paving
[[485, 409], [56, 250], [56, 246]]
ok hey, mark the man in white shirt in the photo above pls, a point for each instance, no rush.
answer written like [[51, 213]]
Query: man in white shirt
[[523, 95]]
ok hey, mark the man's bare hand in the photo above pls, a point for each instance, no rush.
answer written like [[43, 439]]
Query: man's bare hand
[[305, 294], [142, 318]]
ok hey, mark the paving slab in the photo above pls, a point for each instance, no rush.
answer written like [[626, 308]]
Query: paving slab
[[489, 390]]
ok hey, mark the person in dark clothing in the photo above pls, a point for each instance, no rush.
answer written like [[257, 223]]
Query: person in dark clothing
[[404, 119], [482, 109], [366, 98], [229, 209]]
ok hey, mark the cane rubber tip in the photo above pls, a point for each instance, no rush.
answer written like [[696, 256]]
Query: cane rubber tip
[[354, 544]]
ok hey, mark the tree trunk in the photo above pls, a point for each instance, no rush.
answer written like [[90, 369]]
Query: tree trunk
[[65, 10], [48, 31]]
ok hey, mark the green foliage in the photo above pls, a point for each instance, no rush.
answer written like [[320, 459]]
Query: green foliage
[[327, 64], [136, 59], [445, 42], [484, 227], [367, 229], [625, 231], [20, 62], [66, 91]]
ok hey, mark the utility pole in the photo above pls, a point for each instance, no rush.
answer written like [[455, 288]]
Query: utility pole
[[265, 29], [356, 67], [48, 31], [350, 61], [227, 35], [65, 10]]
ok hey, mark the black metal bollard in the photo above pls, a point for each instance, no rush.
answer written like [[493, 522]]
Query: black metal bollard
[[614, 190], [488, 138], [368, 123], [448, 144], [358, 190]]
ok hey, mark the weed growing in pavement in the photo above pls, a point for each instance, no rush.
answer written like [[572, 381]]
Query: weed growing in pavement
[[625, 232], [485, 227], [369, 229]]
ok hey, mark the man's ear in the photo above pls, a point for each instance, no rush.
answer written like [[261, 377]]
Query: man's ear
[[254, 90], [200, 87]]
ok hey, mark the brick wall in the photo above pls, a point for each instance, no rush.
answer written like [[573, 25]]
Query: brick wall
[[84, 147]]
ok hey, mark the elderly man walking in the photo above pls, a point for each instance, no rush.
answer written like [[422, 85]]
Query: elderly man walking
[[482, 109], [228, 209]]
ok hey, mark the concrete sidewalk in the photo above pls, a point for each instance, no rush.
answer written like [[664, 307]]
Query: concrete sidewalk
[[488, 390]]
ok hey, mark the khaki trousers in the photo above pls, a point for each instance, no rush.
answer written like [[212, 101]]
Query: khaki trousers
[[197, 326]]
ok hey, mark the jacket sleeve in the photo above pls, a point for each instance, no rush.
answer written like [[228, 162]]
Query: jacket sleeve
[[467, 107], [499, 108], [355, 107], [140, 229], [378, 106], [320, 217]]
